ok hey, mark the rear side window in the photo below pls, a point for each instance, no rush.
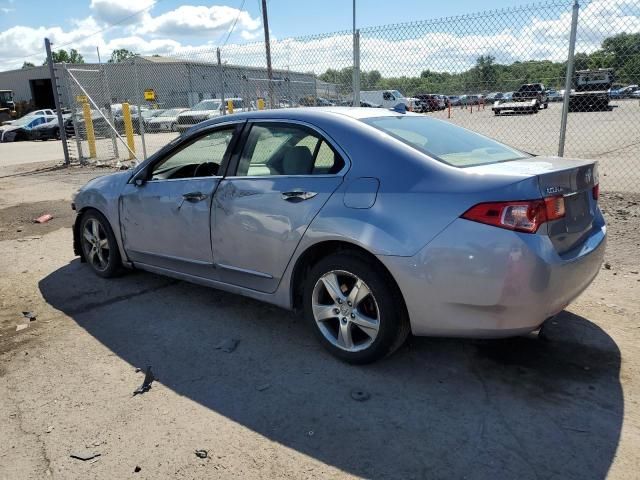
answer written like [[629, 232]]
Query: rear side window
[[280, 149], [453, 145]]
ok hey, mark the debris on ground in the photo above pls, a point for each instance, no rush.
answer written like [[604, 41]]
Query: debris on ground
[[146, 383], [30, 315], [360, 395], [43, 218], [227, 345], [263, 387], [202, 453], [49, 429], [607, 266], [22, 326], [137, 469], [85, 456]]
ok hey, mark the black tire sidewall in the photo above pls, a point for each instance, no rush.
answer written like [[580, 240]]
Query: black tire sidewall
[[115, 261], [391, 308]]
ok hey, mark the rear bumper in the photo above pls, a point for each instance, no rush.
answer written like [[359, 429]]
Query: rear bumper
[[475, 280]]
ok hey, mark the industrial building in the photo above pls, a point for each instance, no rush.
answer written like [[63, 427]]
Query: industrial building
[[175, 82]]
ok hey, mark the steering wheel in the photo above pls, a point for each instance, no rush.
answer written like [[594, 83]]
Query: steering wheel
[[206, 169]]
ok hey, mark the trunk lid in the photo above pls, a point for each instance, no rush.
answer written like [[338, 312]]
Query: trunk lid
[[573, 180]]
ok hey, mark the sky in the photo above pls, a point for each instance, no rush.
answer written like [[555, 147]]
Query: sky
[[172, 27]]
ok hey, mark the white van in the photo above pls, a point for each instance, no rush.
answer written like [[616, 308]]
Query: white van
[[387, 98]]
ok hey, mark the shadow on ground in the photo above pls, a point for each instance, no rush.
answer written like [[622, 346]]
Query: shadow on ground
[[517, 408]]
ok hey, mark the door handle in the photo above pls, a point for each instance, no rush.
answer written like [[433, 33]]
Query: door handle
[[194, 197], [297, 195]]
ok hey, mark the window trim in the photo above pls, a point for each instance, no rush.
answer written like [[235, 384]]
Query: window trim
[[144, 171], [239, 148]]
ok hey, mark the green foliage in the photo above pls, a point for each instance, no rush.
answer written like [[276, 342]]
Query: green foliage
[[27, 65], [620, 52], [62, 56], [121, 54]]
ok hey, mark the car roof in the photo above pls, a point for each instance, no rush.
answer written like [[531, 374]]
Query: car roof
[[310, 114]]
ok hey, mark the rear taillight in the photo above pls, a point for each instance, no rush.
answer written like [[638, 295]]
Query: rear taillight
[[595, 191], [523, 216]]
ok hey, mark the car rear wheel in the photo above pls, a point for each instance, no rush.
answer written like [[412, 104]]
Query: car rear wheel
[[99, 245], [355, 309]]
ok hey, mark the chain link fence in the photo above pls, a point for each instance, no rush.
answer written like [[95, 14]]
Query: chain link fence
[[501, 73]]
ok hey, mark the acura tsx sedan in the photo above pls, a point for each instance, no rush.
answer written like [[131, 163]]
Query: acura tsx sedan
[[374, 223]]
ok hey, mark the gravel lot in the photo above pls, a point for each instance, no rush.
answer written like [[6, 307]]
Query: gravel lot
[[279, 406]]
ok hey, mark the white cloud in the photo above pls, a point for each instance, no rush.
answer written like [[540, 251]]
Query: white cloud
[[450, 45], [7, 10], [199, 20], [123, 12]]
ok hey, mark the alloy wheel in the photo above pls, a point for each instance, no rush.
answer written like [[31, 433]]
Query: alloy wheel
[[345, 310], [96, 244]]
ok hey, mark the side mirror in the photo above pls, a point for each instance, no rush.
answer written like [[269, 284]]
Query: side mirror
[[138, 182]]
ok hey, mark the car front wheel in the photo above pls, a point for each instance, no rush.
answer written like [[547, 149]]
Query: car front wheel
[[99, 245], [355, 308]]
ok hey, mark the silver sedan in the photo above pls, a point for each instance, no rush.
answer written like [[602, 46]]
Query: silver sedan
[[374, 223]]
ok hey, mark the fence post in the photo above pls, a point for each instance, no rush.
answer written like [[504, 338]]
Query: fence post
[[356, 68], [221, 74], [56, 100], [140, 118], [569, 78]]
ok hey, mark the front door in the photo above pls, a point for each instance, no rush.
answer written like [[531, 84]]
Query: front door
[[284, 175], [166, 218]]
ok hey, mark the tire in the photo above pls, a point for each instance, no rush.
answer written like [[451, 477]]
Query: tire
[[106, 261], [379, 308], [546, 105]]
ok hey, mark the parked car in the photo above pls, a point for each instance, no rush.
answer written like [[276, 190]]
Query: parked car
[[458, 235], [20, 129], [493, 96], [635, 94], [166, 121], [554, 96], [471, 99], [624, 92], [149, 114], [311, 101], [205, 110], [529, 98], [430, 102], [363, 103], [51, 129], [454, 100], [507, 96], [47, 113]]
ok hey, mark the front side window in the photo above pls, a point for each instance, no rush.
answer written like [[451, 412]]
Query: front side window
[[444, 141], [287, 150], [201, 158]]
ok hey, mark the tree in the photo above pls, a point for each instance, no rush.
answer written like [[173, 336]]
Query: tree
[[27, 65], [62, 56], [121, 54]]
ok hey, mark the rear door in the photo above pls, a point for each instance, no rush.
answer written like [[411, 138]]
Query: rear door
[[282, 177]]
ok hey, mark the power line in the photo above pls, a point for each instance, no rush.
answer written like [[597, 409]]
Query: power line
[[234, 23]]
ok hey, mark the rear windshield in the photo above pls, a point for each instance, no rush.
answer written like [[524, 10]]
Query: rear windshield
[[444, 141]]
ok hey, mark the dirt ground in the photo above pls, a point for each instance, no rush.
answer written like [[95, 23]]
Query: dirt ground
[[563, 406]]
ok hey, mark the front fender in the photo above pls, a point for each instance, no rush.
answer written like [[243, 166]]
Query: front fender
[[103, 195]]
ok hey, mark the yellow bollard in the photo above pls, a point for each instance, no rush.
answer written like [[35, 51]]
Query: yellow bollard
[[128, 129], [229, 106], [91, 135], [261, 104]]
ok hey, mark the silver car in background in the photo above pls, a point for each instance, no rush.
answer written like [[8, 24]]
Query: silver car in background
[[372, 222]]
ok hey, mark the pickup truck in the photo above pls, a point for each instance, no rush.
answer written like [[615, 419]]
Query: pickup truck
[[529, 98]]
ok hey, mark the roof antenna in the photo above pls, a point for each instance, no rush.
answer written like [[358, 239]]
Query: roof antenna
[[400, 108]]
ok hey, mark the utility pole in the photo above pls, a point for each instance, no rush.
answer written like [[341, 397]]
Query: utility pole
[[265, 24]]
